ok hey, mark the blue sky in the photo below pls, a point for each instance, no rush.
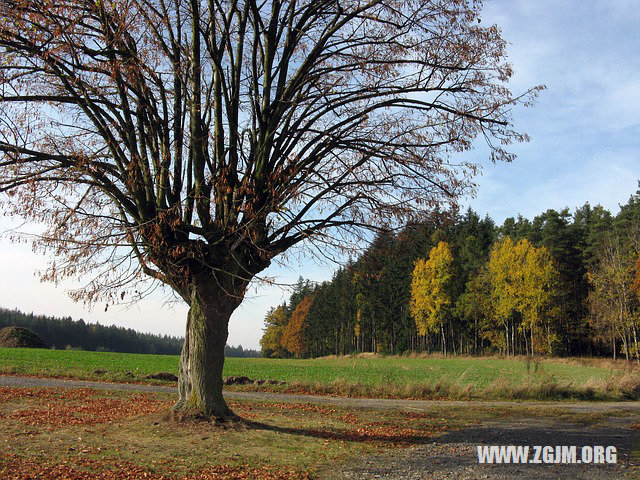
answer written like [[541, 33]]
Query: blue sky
[[585, 126], [585, 146]]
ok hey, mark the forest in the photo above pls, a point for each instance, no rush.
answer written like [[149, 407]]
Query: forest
[[66, 333], [562, 284]]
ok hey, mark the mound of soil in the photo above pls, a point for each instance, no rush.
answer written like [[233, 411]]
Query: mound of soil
[[247, 380], [164, 376], [18, 337]]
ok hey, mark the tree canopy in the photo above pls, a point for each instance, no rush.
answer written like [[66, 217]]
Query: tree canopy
[[189, 132], [430, 284], [194, 141]]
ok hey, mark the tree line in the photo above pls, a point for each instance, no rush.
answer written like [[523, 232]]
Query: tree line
[[564, 283], [66, 333]]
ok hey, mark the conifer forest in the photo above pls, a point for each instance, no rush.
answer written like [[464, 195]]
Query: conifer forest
[[565, 283]]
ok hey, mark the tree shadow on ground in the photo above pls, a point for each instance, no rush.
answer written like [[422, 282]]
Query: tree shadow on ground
[[348, 435]]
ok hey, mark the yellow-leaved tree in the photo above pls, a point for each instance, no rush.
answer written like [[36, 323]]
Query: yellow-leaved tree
[[537, 304], [430, 297], [613, 308], [523, 280], [275, 324], [501, 275]]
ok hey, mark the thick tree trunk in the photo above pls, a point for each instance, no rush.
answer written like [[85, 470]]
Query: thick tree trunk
[[202, 358]]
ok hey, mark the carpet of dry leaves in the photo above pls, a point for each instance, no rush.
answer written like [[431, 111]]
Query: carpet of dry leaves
[[42, 410], [78, 406], [17, 468]]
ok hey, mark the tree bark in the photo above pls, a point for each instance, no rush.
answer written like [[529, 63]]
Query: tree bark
[[202, 358]]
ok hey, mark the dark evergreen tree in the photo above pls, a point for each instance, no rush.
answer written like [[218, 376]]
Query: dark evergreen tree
[[364, 308]]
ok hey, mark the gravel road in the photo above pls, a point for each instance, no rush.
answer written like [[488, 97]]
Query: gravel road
[[454, 455], [377, 403]]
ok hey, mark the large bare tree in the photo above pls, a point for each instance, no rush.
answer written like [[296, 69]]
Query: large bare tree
[[193, 141]]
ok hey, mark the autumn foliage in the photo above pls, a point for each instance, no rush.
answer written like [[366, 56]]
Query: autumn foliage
[[514, 290], [430, 297], [523, 280], [615, 299], [293, 337], [131, 440]]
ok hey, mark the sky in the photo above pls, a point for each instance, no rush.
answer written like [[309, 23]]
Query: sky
[[585, 147]]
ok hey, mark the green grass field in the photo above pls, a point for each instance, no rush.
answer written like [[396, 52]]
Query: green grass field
[[421, 377]]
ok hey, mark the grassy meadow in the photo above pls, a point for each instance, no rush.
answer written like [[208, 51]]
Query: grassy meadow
[[411, 377]]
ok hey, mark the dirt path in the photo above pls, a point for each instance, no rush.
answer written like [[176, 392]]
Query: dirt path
[[377, 403], [454, 454]]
